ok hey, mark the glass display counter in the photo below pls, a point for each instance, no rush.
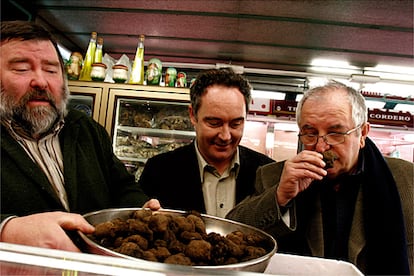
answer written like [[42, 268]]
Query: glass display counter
[[27, 260]]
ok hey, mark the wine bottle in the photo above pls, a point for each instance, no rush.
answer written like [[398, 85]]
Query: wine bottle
[[85, 73], [98, 51], [137, 72]]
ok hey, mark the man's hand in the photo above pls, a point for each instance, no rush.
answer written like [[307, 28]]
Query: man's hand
[[153, 204], [45, 230], [298, 173]]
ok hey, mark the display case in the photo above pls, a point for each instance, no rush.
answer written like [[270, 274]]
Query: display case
[[270, 127], [147, 120], [90, 98]]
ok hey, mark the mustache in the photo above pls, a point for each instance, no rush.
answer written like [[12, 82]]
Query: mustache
[[38, 95], [222, 143]]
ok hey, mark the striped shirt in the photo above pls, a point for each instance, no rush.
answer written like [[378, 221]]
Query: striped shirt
[[46, 153]]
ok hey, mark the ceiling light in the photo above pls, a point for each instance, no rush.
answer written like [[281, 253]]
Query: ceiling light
[[404, 107], [361, 78], [391, 69], [330, 66], [268, 95], [236, 68]]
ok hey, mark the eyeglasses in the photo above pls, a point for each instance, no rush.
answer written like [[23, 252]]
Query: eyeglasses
[[331, 139]]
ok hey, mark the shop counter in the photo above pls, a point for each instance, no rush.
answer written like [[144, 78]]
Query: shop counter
[[26, 260]]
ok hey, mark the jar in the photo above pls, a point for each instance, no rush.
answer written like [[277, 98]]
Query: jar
[[154, 72], [98, 72], [170, 77], [181, 79], [119, 73]]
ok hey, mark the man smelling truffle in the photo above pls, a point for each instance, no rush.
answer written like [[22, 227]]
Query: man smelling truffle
[[329, 158]]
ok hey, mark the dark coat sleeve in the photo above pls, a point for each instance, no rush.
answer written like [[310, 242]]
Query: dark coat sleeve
[[260, 208], [250, 161], [174, 179]]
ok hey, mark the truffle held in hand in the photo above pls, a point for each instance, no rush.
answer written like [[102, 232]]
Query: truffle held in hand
[[329, 157]]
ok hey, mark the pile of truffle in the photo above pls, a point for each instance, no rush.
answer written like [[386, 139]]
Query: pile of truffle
[[177, 239]]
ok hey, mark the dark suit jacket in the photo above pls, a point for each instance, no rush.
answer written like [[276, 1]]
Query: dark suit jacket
[[262, 211], [94, 178], [174, 177]]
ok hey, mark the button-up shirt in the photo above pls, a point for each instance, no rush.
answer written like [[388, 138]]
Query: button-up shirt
[[219, 191], [46, 153]]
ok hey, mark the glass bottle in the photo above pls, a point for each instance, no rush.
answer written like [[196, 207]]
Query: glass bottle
[[85, 73], [98, 51], [137, 72]]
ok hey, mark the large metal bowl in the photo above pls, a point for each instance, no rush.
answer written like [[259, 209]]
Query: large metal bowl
[[213, 224]]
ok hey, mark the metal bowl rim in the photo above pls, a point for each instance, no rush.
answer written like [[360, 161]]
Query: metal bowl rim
[[229, 266]]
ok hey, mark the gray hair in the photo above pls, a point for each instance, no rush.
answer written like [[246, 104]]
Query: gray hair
[[355, 99]]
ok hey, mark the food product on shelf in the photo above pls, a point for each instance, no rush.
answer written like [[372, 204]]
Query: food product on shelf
[[137, 72], [170, 77], [85, 73], [167, 117], [137, 147], [175, 122], [135, 116], [173, 117], [98, 51], [74, 66], [154, 72], [181, 79], [119, 73], [98, 72]]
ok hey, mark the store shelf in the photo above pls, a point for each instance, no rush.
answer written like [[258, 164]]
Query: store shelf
[[156, 132]]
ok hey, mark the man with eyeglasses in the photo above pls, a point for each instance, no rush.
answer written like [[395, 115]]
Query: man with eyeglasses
[[358, 210]]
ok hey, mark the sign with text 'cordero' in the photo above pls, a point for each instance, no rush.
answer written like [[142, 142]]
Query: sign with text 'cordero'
[[391, 118]]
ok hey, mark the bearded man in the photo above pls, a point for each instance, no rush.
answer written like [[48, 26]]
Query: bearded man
[[55, 164]]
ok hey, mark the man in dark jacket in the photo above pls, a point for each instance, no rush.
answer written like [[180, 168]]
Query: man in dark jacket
[[214, 172], [352, 204], [55, 164]]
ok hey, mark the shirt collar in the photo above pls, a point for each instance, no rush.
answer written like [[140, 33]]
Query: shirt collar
[[202, 163], [17, 131]]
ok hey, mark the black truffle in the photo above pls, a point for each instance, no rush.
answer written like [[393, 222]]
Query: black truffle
[[329, 157]]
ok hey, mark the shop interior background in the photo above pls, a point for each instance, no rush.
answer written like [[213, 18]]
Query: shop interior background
[[283, 47]]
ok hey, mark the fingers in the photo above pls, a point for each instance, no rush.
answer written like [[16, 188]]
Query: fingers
[[70, 221], [45, 230], [153, 204], [307, 164], [298, 173]]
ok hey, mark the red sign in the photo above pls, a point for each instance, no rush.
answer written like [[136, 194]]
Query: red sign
[[391, 118], [284, 108]]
